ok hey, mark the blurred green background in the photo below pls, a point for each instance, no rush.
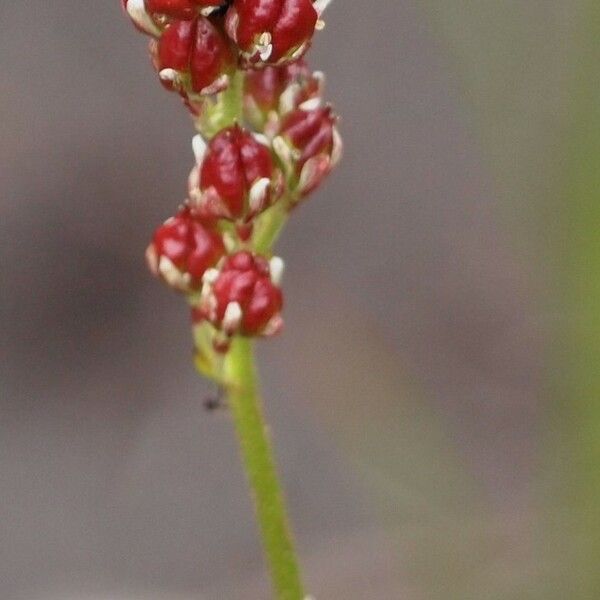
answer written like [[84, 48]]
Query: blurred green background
[[435, 398]]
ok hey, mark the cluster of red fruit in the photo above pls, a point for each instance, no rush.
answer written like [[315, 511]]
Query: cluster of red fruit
[[280, 145], [197, 44]]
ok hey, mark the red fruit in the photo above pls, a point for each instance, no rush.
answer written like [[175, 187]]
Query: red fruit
[[194, 56], [175, 46], [310, 131], [272, 92], [265, 86], [182, 249], [236, 179], [271, 31], [243, 297], [309, 145]]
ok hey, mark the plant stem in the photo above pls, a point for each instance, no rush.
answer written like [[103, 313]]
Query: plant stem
[[240, 381], [232, 101], [226, 111], [270, 226], [257, 455]]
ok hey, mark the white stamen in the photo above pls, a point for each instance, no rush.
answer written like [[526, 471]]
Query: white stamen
[[210, 276], [152, 259], [271, 126], [199, 147], [276, 268], [337, 148], [194, 185], [311, 104], [264, 46], [312, 173], [231, 23], [137, 11], [169, 75], [319, 76], [171, 274], [232, 317], [283, 151], [321, 5], [266, 52], [265, 38], [258, 194], [261, 138], [287, 100], [274, 326], [208, 302]]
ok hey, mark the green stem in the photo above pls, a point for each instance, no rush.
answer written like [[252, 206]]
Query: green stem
[[257, 455], [232, 100], [238, 377], [227, 109], [270, 225]]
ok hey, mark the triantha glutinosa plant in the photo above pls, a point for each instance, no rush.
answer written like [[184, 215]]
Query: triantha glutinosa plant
[[265, 141]]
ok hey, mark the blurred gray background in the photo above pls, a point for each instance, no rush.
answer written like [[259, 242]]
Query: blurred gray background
[[403, 394]]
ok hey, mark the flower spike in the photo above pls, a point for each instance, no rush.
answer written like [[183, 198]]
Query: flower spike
[[266, 140]]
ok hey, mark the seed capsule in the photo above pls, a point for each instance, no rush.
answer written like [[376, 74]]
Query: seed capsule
[[272, 92], [270, 32], [235, 177], [194, 56], [242, 296], [310, 146], [183, 249]]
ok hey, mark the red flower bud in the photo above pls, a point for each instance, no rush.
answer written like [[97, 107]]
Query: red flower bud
[[243, 296], [194, 56], [234, 178], [310, 146], [271, 31], [182, 249], [272, 92]]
